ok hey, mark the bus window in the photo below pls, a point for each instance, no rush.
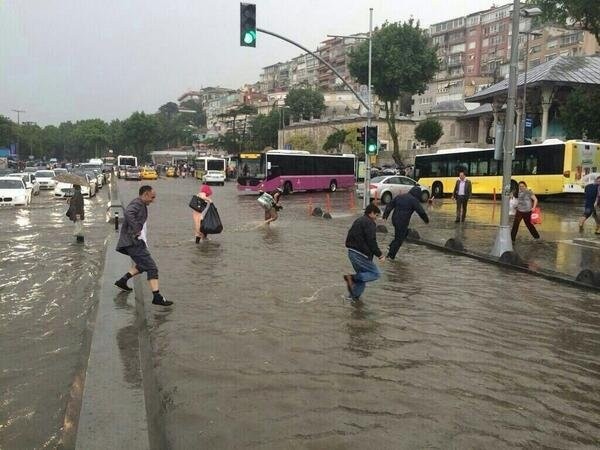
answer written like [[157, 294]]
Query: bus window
[[482, 168], [494, 167], [473, 168]]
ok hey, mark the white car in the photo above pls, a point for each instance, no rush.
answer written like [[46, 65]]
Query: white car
[[63, 190], [386, 187], [214, 176], [30, 181], [46, 179], [14, 192]]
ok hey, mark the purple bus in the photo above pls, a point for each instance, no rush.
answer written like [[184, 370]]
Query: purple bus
[[294, 170]]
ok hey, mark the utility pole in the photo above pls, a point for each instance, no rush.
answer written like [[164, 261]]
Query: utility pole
[[19, 111], [367, 197]]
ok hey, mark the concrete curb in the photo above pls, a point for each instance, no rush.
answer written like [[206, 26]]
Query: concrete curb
[[543, 273]]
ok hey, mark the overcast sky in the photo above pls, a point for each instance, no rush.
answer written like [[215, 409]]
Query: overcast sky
[[79, 59]]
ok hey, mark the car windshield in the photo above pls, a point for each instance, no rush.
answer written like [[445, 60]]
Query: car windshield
[[377, 179], [133, 170], [45, 174], [58, 171], [11, 184]]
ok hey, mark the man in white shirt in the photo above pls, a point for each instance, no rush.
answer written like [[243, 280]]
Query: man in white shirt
[[462, 193]]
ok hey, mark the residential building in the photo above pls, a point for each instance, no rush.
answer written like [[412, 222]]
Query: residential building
[[304, 71], [336, 51], [275, 77]]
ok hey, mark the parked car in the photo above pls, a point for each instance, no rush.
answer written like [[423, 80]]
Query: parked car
[[122, 171], [60, 171], [46, 179], [171, 171], [148, 173], [30, 181], [386, 187], [13, 192], [214, 177]]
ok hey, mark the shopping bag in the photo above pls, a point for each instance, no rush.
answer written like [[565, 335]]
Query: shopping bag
[[78, 228], [536, 216], [211, 222]]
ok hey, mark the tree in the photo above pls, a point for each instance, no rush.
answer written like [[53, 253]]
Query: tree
[[429, 131], [579, 114], [585, 13], [199, 118], [305, 103], [264, 130], [301, 142], [139, 130], [403, 61], [7, 131], [335, 140]]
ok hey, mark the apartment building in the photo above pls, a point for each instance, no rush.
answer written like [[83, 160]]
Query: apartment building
[[304, 71], [275, 77], [336, 52], [550, 42]]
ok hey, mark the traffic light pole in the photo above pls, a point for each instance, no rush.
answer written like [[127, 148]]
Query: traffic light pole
[[367, 190]]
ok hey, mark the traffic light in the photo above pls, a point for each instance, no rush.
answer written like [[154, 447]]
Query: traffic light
[[371, 146], [361, 135], [247, 25]]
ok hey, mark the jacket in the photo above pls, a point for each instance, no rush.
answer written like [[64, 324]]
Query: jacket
[[362, 238], [136, 215], [404, 205], [468, 189], [76, 206], [591, 193]]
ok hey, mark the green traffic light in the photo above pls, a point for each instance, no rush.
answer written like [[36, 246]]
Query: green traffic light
[[249, 37]]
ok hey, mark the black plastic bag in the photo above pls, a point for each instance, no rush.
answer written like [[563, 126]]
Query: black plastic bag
[[197, 204], [211, 222]]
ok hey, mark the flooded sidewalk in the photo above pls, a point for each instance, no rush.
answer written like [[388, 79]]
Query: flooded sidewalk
[[262, 351]]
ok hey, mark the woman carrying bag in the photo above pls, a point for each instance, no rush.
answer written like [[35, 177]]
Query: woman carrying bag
[[198, 204], [527, 202], [75, 213]]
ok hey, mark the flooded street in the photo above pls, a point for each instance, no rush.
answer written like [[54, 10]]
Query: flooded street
[[262, 351], [46, 293]]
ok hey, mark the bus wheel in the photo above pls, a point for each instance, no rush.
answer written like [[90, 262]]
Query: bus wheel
[[424, 196], [386, 198], [514, 186], [287, 188], [438, 189], [333, 186]]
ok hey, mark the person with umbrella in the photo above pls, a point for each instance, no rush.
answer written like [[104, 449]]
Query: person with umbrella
[[75, 213]]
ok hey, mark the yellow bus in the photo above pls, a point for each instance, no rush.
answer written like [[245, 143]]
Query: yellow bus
[[554, 167]]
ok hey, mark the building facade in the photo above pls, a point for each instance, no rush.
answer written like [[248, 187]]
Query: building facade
[[336, 51]]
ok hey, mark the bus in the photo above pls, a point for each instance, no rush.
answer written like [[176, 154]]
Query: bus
[[294, 170], [212, 163], [553, 167], [127, 160]]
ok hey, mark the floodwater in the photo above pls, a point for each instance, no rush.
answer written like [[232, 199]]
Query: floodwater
[[262, 351], [47, 285]]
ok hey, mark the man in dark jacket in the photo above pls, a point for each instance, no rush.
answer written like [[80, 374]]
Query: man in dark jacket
[[132, 242], [362, 245], [592, 197], [462, 193], [76, 212], [403, 205]]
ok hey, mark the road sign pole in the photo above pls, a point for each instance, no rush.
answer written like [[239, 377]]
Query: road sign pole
[[367, 197]]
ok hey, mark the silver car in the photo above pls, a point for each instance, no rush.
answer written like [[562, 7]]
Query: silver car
[[386, 187]]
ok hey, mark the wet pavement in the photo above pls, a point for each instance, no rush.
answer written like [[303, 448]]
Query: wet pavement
[[262, 351], [47, 290]]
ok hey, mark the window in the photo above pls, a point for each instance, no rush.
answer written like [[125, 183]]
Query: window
[[551, 44], [550, 57], [496, 40], [485, 42], [470, 69], [473, 32], [457, 48], [472, 45]]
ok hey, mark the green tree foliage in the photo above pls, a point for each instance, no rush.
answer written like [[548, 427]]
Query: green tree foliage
[[8, 132], [264, 130], [139, 131], [335, 140], [585, 13], [579, 114], [352, 142], [199, 118], [301, 142], [305, 103], [429, 131], [403, 61]]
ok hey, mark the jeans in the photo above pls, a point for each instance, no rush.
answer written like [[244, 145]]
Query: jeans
[[366, 271]]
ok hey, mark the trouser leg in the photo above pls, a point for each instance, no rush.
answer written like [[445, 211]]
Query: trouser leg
[[529, 225], [366, 270], [400, 233], [515, 226], [464, 209]]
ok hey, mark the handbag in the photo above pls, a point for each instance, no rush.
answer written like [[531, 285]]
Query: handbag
[[211, 222], [536, 216], [197, 204]]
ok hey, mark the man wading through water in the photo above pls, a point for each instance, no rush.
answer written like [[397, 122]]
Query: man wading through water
[[132, 242]]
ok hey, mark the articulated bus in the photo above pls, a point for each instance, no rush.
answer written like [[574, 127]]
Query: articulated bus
[[554, 167], [294, 170]]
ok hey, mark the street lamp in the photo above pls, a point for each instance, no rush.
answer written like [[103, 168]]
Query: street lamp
[[503, 242], [524, 105]]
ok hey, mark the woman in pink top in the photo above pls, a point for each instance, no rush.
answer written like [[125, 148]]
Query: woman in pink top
[[204, 195]]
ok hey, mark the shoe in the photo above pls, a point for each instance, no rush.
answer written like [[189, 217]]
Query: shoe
[[457, 220], [197, 239], [349, 284], [122, 284], [161, 301], [580, 228], [391, 258]]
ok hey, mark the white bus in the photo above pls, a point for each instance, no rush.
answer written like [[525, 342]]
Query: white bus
[[216, 167], [127, 160]]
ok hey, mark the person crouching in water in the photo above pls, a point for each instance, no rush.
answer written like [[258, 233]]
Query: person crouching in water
[[403, 205], [271, 213], [361, 243], [76, 212], [204, 194]]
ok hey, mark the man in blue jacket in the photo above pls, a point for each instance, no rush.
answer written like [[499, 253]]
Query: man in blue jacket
[[361, 242], [132, 242], [403, 205], [592, 197]]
